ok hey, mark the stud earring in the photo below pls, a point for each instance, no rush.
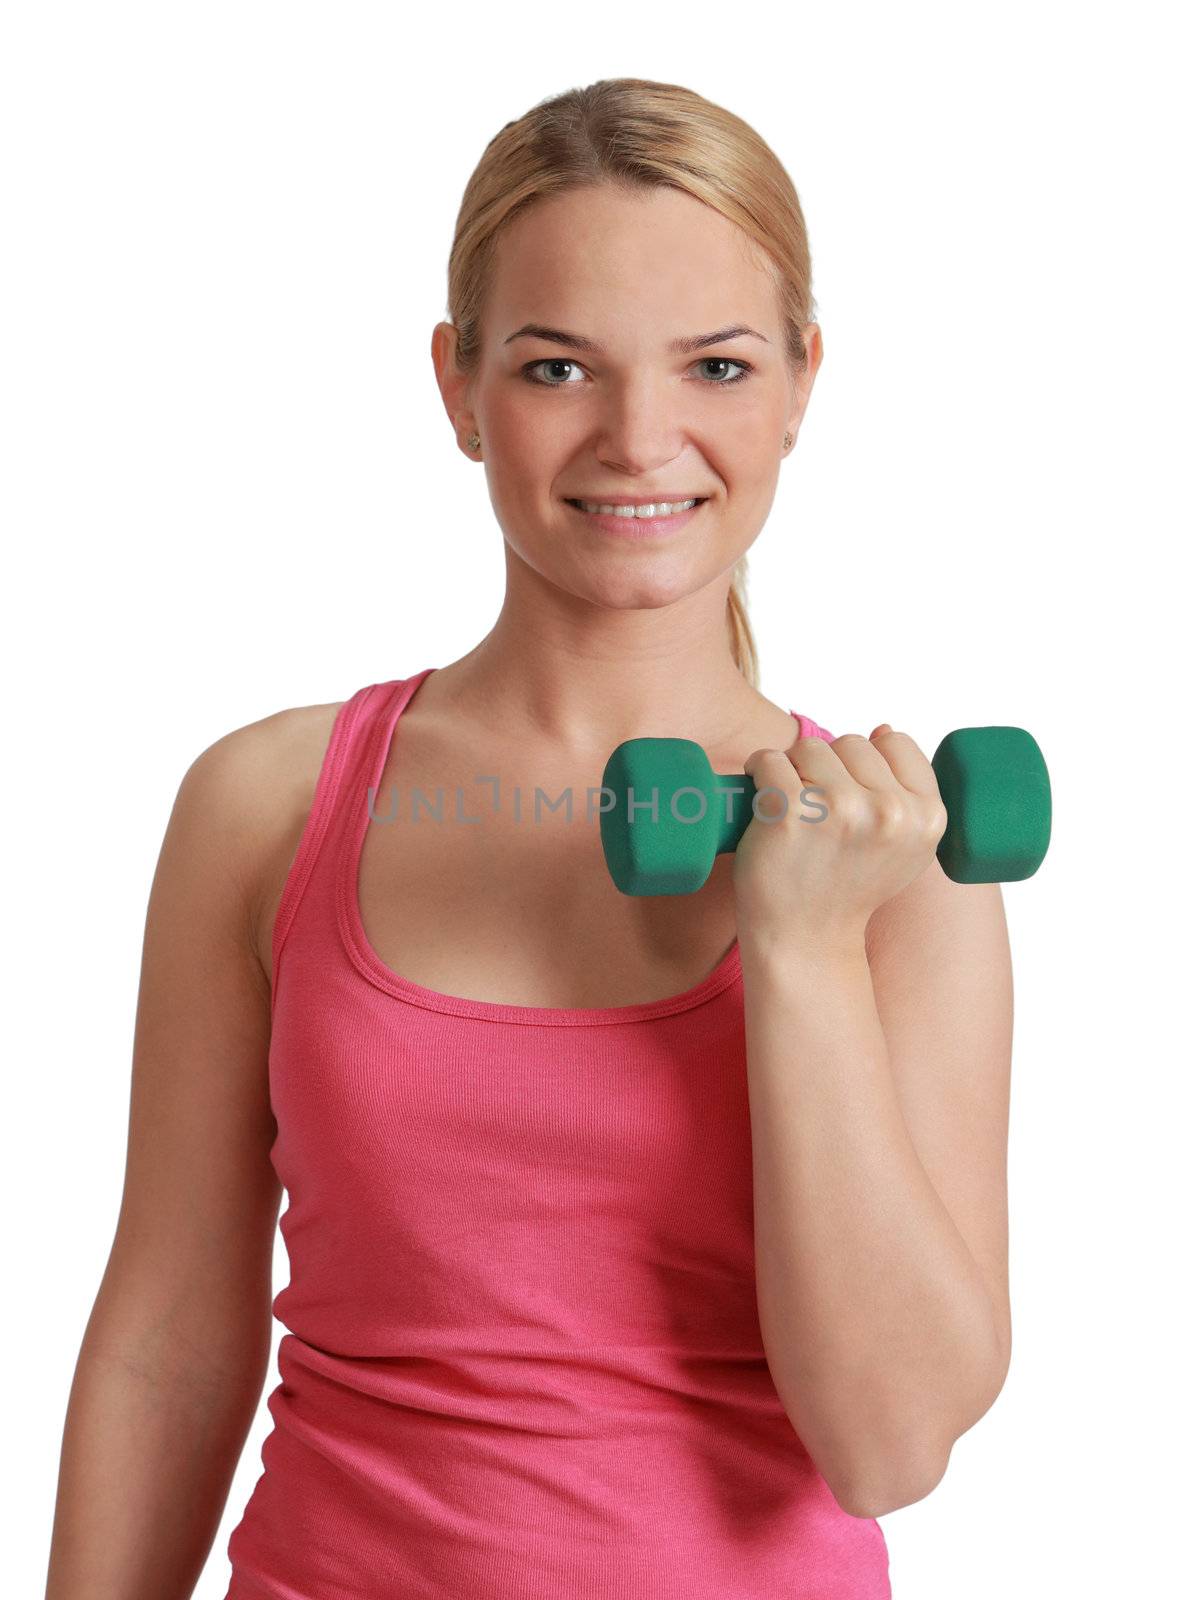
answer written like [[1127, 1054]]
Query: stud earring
[[473, 442], [787, 441]]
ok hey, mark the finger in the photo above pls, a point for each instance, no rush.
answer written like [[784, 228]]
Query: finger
[[771, 760], [771, 771], [908, 762], [861, 759], [821, 767]]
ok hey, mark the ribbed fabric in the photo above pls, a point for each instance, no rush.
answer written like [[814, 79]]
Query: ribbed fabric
[[523, 1357]]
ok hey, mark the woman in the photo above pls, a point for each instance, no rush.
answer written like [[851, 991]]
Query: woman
[[638, 1245]]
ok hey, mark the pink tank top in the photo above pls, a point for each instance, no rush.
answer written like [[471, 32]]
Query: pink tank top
[[523, 1357]]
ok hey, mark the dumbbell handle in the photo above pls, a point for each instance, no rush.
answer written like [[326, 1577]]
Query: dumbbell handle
[[734, 810], [735, 813]]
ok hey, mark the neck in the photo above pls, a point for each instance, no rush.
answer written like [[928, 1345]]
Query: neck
[[574, 676]]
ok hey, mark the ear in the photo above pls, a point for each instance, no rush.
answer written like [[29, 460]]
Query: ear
[[451, 383], [814, 346]]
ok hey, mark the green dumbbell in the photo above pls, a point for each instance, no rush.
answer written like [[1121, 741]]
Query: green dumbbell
[[672, 814]]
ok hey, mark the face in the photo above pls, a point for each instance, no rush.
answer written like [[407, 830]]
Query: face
[[632, 419]]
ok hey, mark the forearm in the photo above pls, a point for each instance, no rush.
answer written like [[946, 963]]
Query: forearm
[[148, 1455], [877, 1324]]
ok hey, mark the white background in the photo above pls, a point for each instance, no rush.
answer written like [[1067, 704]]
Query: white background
[[230, 487]]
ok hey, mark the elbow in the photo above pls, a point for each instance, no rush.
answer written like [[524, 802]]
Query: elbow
[[877, 1496], [874, 1489]]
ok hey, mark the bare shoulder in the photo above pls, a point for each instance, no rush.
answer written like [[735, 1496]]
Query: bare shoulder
[[256, 786]]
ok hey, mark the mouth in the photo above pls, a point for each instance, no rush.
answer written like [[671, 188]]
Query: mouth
[[648, 527]]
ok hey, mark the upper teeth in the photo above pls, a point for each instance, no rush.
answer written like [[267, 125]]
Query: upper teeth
[[665, 508]]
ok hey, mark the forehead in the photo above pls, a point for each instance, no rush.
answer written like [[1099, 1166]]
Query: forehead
[[623, 265]]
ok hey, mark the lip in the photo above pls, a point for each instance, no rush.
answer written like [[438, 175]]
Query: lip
[[636, 527], [636, 500]]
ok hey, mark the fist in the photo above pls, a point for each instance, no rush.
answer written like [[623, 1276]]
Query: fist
[[836, 829]]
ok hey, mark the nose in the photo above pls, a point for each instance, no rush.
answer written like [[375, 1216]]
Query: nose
[[641, 431]]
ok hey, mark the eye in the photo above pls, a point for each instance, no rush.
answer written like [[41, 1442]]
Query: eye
[[727, 361], [744, 371], [547, 361]]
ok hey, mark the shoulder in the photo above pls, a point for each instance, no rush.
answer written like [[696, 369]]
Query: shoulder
[[248, 795], [772, 728], [244, 774]]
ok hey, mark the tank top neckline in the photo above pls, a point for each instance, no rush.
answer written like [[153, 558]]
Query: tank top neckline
[[377, 972]]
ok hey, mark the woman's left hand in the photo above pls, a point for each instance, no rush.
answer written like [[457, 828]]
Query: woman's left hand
[[810, 870]]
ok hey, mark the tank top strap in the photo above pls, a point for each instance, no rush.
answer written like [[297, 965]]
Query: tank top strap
[[358, 739], [810, 729]]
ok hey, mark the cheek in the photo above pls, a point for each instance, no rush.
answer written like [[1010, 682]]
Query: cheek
[[519, 414], [532, 452], [751, 434]]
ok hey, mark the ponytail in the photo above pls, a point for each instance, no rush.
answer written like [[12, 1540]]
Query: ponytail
[[742, 640]]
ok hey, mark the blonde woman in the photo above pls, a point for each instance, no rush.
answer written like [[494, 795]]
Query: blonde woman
[[638, 1245]]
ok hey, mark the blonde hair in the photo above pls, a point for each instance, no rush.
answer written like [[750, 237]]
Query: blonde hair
[[640, 135]]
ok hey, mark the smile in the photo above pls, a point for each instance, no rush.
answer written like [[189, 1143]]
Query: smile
[[661, 508], [650, 521]]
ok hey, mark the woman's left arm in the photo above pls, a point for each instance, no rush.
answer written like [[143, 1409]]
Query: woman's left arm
[[878, 1069]]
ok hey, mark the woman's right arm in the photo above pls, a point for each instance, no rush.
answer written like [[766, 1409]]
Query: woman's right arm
[[176, 1350]]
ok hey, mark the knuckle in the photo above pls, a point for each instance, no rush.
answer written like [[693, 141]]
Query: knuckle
[[849, 812], [890, 811], [770, 805], [768, 767]]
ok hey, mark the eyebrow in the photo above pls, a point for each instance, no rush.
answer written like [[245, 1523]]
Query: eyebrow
[[577, 341]]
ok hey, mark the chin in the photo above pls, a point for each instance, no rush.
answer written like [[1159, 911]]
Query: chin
[[609, 585]]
